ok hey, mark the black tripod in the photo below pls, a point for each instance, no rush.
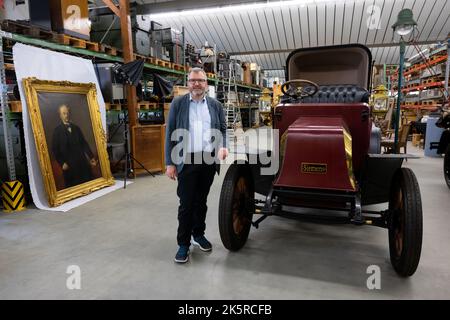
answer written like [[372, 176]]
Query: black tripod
[[128, 156], [129, 73]]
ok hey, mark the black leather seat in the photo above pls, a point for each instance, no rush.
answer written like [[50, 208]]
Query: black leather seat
[[345, 93]]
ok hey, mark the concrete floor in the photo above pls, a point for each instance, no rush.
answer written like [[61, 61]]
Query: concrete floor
[[124, 244]]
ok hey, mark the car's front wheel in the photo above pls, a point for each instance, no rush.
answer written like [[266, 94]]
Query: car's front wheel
[[405, 222], [236, 207]]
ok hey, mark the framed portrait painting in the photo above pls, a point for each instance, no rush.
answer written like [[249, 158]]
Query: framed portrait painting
[[69, 136]]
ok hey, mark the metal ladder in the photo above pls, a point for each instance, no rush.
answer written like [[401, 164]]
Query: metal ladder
[[231, 107]]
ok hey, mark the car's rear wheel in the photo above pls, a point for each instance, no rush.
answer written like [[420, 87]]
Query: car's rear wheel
[[236, 207], [447, 166], [405, 222]]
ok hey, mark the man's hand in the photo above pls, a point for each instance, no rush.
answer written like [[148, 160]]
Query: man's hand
[[222, 154], [93, 162], [65, 166], [171, 172]]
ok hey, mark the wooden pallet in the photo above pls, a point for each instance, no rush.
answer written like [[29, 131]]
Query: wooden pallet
[[139, 57], [432, 80], [152, 105], [107, 49], [15, 106], [430, 102], [178, 67], [150, 60], [147, 105], [436, 57], [119, 52], [163, 63], [143, 105], [9, 66], [27, 29], [78, 42], [114, 106]]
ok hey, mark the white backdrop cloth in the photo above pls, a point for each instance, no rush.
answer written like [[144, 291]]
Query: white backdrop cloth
[[44, 64]]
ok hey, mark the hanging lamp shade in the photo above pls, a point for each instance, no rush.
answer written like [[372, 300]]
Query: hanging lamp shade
[[405, 22]]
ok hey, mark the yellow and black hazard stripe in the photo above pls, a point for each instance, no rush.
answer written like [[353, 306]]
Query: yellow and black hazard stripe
[[13, 196]]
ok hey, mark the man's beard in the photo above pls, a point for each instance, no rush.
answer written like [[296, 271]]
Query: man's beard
[[198, 92]]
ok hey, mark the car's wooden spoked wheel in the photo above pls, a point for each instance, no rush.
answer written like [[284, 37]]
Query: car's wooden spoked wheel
[[398, 223], [405, 222], [241, 206], [236, 206]]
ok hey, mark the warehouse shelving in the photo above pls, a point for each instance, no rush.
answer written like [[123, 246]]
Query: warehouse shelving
[[417, 82], [10, 37]]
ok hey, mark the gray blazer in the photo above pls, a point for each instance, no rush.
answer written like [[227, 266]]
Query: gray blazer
[[179, 119]]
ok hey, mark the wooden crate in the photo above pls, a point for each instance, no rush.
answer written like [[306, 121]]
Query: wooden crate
[[66, 19], [148, 148]]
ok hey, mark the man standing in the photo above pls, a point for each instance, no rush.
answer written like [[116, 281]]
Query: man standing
[[199, 117], [72, 151]]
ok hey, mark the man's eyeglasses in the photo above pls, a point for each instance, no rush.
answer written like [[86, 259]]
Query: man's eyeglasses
[[197, 80]]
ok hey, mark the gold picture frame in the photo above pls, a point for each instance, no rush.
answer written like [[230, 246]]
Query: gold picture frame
[[71, 150]]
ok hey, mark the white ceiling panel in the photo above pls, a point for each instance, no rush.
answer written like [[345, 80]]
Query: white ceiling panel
[[305, 29], [247, 31], [338, 22], [320, 24], [330, 16], [296, 27], [268, 33], [288, 29], [349, 8]]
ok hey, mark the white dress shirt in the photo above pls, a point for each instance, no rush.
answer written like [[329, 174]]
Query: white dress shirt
[[199, 126]]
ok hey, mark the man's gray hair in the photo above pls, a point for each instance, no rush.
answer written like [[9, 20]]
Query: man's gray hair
[[196, 70]]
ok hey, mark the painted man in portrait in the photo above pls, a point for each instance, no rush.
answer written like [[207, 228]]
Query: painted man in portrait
[[71, 150]]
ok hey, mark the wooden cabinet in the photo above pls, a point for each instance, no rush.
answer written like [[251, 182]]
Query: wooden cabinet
[[148, 148], [71, 17]]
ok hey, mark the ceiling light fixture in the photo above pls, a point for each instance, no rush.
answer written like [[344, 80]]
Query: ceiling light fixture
[[244, 7]]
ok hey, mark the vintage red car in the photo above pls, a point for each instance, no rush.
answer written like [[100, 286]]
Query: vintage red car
[[329, 158]]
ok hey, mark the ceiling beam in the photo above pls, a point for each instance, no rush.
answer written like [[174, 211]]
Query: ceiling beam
[[175, 5]]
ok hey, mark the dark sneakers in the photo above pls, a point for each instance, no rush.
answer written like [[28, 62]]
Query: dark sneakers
[[182, 255], [202, 243]]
